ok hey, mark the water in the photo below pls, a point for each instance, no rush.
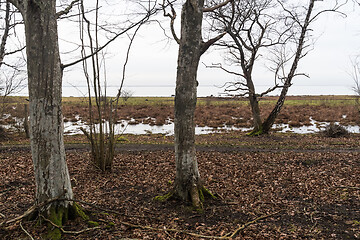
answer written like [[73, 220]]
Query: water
[[168, 129], [125, 127]]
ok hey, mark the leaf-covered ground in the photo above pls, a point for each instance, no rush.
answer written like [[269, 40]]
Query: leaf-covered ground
[[301, 187]]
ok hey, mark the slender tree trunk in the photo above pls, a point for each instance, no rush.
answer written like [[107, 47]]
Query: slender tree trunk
[[46, 119], [255, 110], [187, 181], [276, 110], [254, 104]]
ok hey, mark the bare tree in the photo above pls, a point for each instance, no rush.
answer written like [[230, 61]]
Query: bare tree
[[263, 28], [188, 186], [102, 109], [355, 74], [126, 94], [12, 73]]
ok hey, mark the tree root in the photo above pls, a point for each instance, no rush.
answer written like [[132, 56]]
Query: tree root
[[26, 232], [69, 232], [204, 191], [166, 197]]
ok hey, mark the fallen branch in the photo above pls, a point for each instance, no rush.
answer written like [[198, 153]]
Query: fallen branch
[[31, 210], [6, 190], [348, 187], [242, 227], [227, 236], [167, 230]]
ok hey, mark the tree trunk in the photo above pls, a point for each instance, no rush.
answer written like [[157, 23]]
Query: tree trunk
[[187, 182], [280, 102], [267, 124], [46, 119]]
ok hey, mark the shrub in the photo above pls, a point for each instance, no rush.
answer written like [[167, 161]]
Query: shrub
[[335, 130], [2, 133]]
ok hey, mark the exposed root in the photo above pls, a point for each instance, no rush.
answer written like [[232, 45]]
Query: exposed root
[[256, 132], [26, 232], [69, 232], [166, 197]]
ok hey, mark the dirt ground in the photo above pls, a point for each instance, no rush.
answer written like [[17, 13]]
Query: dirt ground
[[280, 186]]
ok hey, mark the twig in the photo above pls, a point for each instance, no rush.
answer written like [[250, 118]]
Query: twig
[[69, 232], [242, 227], [31, 210], [6, 190], [27, 233], [104, 209], [348, 187], [167, 230], [2, 215]]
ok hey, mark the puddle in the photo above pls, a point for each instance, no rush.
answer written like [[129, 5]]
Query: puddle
[[123, 127]]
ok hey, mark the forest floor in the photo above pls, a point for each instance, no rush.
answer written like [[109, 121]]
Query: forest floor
[[278, 186]]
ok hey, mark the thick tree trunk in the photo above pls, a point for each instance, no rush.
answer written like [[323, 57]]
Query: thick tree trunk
[[187, 183], [46, 120]]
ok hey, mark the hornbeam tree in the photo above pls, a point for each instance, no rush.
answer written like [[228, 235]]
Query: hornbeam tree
[[46, 119], [188, 186]]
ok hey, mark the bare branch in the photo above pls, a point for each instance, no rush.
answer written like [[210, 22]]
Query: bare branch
[[5, 34], [18, 4], [213, 8], [67, 9], [99, 49], [172, 17], [219, 66], [205, 45]]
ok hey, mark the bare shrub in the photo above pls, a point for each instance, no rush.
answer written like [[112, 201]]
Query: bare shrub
[[335, 130], [2, 133]]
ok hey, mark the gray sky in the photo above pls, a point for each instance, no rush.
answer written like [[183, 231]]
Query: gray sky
[[152, 66]]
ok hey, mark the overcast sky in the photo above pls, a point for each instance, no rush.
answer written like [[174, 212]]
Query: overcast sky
[[152, 66]]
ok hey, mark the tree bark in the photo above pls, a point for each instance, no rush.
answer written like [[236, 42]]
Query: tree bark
[[255, 110], [46, 119], [187, 181]]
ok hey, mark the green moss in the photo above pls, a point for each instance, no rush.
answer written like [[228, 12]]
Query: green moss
[[201, 195], [165, 197], [54, 234], [93, 224], [110, 225], [206, 193], [57, 215], [254, 132], [77, 211]]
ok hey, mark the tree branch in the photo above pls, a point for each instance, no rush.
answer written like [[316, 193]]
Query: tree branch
[[218, 65], [210, 9], [205, 45], [18, 4], [142, 21], [172, 17], [67, 9]]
